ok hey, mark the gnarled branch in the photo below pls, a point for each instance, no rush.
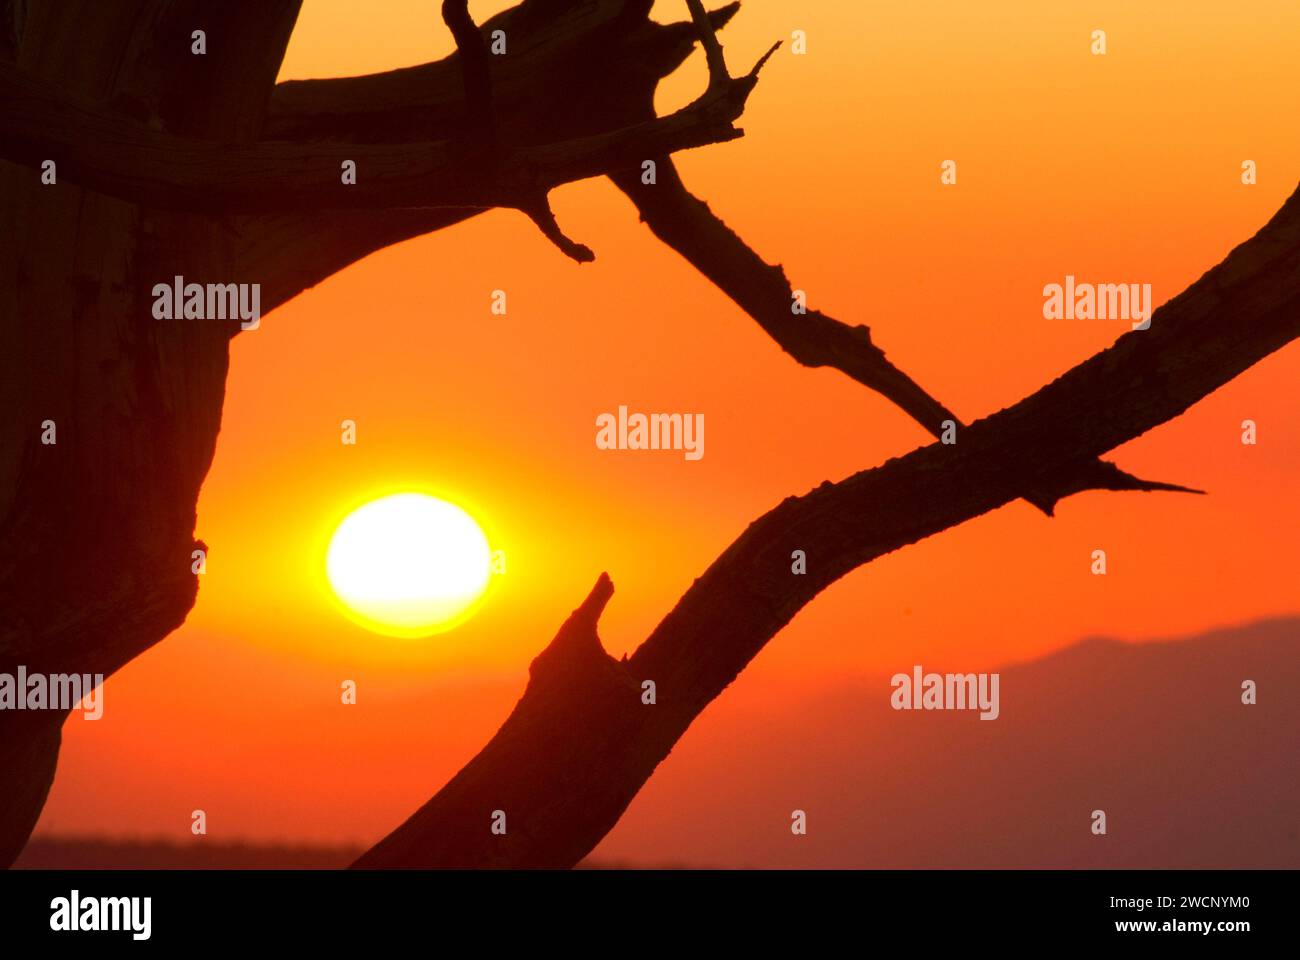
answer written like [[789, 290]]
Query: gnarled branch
[[685, 223], [577, 70], [377, 107], [134, 162], [580, 743], [600, 66]]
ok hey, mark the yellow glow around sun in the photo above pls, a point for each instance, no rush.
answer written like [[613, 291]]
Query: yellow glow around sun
[[408, 565]]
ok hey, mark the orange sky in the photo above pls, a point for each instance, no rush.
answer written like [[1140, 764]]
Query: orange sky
[[1122, 168]]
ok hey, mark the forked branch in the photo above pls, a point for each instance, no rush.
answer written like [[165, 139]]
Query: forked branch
[[687, 224], [376, 108], [581, 742]]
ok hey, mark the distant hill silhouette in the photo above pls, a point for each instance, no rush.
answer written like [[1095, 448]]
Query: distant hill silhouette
[[100, 853], [1153, 733]]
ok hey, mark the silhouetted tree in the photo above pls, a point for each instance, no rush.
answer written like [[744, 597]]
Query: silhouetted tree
[[168, 162]]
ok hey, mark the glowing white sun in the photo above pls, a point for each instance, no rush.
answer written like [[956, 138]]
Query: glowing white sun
[[408, 565]]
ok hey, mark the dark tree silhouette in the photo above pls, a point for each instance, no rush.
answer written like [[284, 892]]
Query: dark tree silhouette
[[202, 166]]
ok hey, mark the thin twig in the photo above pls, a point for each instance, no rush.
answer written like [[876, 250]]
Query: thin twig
[[718, 76]]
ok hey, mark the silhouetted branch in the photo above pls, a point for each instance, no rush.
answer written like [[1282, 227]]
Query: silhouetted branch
[[567, 74], [581, 741], [541, 214], [718, 75], [591, 68], [474, 67], [377, 107], [133, 162], [685, 223]]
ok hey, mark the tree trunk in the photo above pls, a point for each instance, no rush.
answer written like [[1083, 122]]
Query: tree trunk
[[96, 528]]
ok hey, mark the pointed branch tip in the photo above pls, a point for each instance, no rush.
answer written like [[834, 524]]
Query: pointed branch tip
[[590, 610], [753, 73], [600, 595], [541, 214]]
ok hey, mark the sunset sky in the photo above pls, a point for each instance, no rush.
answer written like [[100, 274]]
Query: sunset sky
[[1117, 168]]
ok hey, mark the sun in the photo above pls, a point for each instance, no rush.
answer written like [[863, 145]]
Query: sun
[[408, 565]]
